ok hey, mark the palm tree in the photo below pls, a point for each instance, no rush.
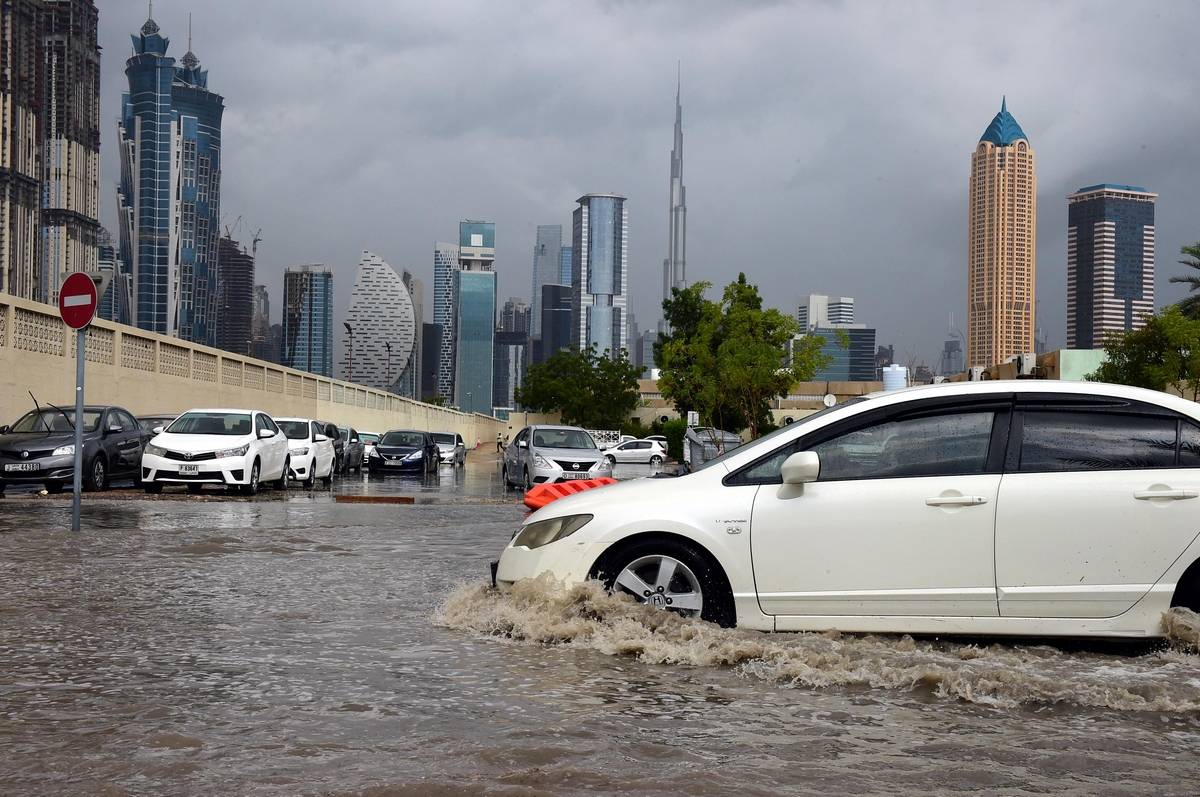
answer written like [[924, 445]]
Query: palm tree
[[1190, 306]]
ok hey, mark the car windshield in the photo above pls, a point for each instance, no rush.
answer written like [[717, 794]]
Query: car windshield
[[211, 423], [441, 437], [54, 421], [150, 423], [367, 437], [294, 430], [563, 438], [771, 435], [407, 439]]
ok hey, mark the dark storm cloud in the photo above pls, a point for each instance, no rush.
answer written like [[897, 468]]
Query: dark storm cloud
[[827, 145]]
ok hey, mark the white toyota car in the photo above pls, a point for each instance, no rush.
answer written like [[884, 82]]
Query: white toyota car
[[1023, 507], [309, 450], [233, 448]]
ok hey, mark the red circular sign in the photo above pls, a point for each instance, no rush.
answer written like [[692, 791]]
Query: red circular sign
[[77, 300]]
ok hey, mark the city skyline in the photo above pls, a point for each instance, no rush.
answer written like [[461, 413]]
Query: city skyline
[[749, 176]]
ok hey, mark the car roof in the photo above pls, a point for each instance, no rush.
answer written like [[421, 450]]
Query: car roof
[[556, 426], [222, 409], [414, 431], [991, 386], [300, 420]]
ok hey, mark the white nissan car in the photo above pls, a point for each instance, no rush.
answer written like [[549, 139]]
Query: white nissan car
[[232, 448], [1023, 507]]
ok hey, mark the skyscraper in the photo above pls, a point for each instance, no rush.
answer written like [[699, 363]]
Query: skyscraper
[[383, 318], [260, 325], [547, 269], [50, 150], [235, 289], [476, 245], [599, 273], [431, 341], [445, 263], [507, 374], [675, 264], [556, 321], [816, 310], [515, 316], [1001, 244], [169, 198], [409, 383], [106, 263], [1110, 262], [474, 331], [307, 342], [564, 277]]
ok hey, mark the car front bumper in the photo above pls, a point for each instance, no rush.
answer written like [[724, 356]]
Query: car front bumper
[[48, 469], [376, 465], [567, 561], [226, 470], [555, 473]]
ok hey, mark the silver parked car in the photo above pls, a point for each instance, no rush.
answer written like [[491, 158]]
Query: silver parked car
[[453, 449], [541, 454]]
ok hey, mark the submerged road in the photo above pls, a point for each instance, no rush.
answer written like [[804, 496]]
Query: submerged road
[[293, 645]]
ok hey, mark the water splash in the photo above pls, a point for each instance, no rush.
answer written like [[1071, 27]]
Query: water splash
[[541, 611]]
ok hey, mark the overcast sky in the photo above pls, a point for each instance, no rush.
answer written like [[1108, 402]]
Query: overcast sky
[[827, 145]]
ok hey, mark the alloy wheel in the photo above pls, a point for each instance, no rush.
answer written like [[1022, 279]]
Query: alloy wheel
[[663, 582], [99, 475]]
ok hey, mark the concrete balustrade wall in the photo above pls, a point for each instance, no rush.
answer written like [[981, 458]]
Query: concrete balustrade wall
[[149, 373]]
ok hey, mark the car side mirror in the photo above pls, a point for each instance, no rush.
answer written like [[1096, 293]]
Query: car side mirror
[[157, 430], [5, 429], [114, 428], [265, 433], [801, 468], [522, 444], [320, 439]]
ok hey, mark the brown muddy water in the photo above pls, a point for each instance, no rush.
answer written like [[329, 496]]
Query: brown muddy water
[[305, 647]]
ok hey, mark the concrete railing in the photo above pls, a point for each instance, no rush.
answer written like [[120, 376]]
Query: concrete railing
[[149, 373]]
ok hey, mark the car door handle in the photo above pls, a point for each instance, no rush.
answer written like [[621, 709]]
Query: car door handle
[[1174, 495], [956, 500]]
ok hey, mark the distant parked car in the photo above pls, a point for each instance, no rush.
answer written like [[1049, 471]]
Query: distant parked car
[[40, 448], [625, 438], [233, 448], [404, 449], [352, 453], [156, 422], [369, 439], [310, 451], [451, 447], [339, 445], [638, 451]]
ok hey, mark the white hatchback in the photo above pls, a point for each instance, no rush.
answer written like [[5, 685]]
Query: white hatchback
[[638, 451], [309, 449], [233, 448], [1022, 508]]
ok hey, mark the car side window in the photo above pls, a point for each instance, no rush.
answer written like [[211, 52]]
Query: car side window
[[270, 423], [129, 423], [114, 419], [1079, 440], [259, 424], [1189, 445], [314, 430]]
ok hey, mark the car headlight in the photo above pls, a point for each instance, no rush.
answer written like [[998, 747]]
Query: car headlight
[[155, 451], [415, 456], [375, 454], [544, 532], [64, 451], [603, 464], [541, 461], [299, 452], [240, 451]]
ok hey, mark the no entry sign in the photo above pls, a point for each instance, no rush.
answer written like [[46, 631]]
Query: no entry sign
[[77, 300]]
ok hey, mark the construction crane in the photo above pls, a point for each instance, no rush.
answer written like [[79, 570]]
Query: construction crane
[[254, 242]]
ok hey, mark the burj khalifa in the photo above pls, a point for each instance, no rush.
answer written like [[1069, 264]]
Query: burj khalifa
[[675, 264]]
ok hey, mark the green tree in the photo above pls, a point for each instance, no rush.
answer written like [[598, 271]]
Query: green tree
[[729, 360], [587, 389], [683, 313], [1163, 355], [1191, 305]]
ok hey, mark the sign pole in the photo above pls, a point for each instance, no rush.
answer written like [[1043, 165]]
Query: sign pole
[[80, 346]]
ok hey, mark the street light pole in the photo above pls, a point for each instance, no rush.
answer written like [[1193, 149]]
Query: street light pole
[[388, 346], [350, 369]]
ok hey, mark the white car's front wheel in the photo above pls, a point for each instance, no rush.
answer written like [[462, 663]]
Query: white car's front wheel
[[251, 485], [672, 575]]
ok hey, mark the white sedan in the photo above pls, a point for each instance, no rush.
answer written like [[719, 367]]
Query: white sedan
[[1024, 508], [309, 450], [639, 451], [233, 448]]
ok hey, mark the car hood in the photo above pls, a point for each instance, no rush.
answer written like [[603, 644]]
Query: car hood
[[599, 499], [571, 454], [395, 450], [39, 440], [300, 443], [201, 443], [444, 447]]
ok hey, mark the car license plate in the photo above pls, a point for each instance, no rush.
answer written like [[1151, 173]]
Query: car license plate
[[395, 463], [189, 469], [21, 466], [572, 475]]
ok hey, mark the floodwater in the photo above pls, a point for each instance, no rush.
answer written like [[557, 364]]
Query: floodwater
[[305, 647]]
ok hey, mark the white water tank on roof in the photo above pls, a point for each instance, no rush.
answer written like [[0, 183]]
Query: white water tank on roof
[[895, 377]]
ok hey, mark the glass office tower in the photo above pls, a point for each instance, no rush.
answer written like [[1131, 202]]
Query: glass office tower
[[599, 274], [307, 342], [474, 339]]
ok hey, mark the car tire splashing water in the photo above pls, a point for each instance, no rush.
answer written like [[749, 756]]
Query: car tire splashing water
[[540, 611]]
